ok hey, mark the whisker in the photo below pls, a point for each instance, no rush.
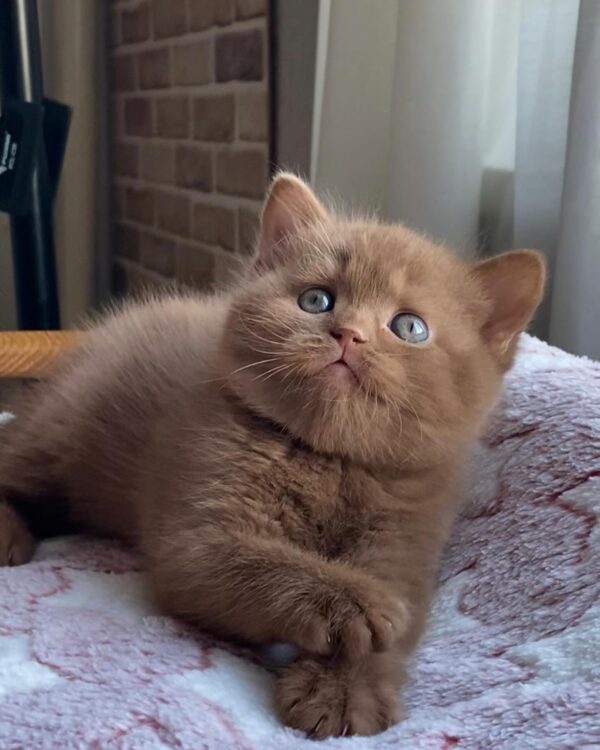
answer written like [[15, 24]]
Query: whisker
[[270, 373], [252, 364]]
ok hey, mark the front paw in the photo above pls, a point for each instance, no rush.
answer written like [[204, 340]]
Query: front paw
[[359, 618], [329, 701], [16, 543]]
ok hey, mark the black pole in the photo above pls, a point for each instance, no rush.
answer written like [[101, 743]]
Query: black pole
[[32, 234]]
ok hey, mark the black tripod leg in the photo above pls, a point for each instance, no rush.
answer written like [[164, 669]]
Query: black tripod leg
[[32, 234]]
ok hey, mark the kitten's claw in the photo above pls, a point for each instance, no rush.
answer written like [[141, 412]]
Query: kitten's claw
[[315, 729], [335, 701]]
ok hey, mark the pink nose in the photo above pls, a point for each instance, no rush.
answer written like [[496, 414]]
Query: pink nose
[[348, 336]]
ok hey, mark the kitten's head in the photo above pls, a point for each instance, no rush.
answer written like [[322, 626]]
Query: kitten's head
[[369, 340]]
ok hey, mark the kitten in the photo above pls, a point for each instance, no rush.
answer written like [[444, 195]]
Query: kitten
[[287, 455]]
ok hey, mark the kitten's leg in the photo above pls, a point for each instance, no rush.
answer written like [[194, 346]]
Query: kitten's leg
[[350, 695], [354, 696], [30, 460], [16, 541], [343, 697], [262, 590]]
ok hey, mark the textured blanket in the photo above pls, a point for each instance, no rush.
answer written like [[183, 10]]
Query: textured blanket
[[510, 661]]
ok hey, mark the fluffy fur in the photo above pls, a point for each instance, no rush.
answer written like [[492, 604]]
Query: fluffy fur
[[278, 496]]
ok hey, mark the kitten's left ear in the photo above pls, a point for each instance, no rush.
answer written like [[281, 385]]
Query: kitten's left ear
[[290, 205], [513, 285]]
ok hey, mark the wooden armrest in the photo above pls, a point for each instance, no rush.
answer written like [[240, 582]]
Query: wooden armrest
[[31, 354]]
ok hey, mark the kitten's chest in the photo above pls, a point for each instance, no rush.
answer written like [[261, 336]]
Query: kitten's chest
[[317, 503]]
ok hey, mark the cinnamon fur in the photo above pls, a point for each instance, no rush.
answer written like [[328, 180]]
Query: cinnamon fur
[[273, 500]]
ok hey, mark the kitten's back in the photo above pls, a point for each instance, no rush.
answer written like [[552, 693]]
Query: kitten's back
[[104, 406]]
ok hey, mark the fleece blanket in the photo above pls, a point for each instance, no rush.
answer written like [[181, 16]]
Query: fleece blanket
[[510, 661]]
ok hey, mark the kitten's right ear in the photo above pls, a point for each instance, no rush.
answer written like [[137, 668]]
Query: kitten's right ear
[[513, 286], [290, 205]]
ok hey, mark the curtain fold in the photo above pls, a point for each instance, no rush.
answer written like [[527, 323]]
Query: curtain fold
[[575, 318], [545, 70]]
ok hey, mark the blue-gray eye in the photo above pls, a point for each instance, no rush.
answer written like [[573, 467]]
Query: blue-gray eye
[[410, 328], [316, 300]]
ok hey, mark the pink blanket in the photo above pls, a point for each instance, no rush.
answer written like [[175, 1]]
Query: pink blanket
[[511, 659]]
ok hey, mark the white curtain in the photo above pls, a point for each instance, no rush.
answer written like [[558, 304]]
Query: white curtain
[[575, 316], [468, 119]]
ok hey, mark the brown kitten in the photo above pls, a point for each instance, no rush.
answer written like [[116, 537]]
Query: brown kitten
[[288, 454]]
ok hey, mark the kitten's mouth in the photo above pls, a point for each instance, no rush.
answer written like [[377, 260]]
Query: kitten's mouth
[[340, 369]]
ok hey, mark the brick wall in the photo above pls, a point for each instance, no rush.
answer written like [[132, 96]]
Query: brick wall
[[189, 136]]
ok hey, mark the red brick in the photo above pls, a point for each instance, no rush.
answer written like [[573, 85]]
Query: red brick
[[133, 280], [135, 23], [139, 205], [206, 13], [250, 8], [194, 168], [242, 173], [214, 118], [252, 116], [169, 18], [157, 163], [214, 225], [123, 73], [172, 117], [239, 56], [155, 68], [173, 213], [228, 267], [158, 253], [195, 266], [138, 116], [127, 241], [248, 226], [192, 63], [125, 159]]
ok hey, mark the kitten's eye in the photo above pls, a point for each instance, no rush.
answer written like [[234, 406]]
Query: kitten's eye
[[316, 300], [410, 328]]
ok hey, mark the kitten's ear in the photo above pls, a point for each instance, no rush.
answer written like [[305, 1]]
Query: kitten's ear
[[290, 204], [513, 286]]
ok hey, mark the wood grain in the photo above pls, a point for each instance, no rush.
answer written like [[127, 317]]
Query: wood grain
[[31, 354]]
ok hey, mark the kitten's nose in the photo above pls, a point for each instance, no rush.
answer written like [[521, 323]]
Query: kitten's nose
[[348, 336]]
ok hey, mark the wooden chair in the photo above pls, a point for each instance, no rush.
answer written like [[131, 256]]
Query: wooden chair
[[30, 354]]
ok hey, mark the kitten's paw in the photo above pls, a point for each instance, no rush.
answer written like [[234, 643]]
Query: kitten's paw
[[359, 619], [332, 701], [369, 619], [16, 543]]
